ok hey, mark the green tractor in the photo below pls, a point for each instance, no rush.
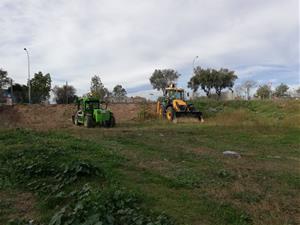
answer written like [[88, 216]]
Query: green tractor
[[90, 112]]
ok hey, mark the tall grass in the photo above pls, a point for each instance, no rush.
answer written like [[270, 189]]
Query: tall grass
[[284, 113]]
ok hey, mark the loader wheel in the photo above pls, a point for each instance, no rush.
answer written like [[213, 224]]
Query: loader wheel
[[161, 112], [88, 122], [170, 113]]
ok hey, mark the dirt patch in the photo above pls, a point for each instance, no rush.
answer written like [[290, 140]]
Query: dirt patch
[[46, 117], [17, 205]]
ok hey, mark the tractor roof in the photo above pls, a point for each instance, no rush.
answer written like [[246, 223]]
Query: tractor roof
[[85, 99], [174, 89]]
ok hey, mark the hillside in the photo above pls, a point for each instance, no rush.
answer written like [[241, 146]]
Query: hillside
[[146, 172], [255, 112]]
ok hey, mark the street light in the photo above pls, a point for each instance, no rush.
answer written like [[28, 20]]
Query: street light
[[29, 86], [194, 62]]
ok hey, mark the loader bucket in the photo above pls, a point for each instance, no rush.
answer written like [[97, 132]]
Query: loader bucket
[[188, 116]]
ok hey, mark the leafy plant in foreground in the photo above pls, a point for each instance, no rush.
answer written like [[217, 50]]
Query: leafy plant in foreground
[[109, 207]]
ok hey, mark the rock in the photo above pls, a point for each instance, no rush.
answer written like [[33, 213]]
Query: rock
[[232, 154], [213, 110], [161, 135], [274, 157]]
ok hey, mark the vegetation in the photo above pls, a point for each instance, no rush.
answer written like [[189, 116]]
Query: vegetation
[[72, 187], [138, 173], [4, 79], [40, 87], [20, 93], [119, 92], [65, 94], [209, 79], [264, 92], [161, 79], [281, 90], [247, 86], [97, 88]]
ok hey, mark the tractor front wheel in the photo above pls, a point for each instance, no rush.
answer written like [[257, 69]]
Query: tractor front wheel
[[88, 121], [75, 120], [170, 113]]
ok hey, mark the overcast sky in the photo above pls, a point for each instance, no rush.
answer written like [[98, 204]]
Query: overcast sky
[[124, 41]]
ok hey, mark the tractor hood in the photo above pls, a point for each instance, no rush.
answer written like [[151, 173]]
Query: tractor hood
[[101, 115]]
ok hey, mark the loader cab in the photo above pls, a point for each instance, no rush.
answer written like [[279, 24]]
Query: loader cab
[[175, 93]]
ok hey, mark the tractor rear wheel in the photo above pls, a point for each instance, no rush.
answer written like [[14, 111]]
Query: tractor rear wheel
[[88, 121], [170, 113], [112, 121]]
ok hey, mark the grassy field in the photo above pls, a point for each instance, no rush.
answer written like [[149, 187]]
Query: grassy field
[[153, 172]]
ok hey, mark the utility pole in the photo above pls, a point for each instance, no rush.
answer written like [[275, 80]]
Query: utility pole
[[11, 91], [66, 93], [194, 62], [193, 94], [29, 85]]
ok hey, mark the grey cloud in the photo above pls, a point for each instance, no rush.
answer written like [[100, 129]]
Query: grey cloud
[[124, 43]]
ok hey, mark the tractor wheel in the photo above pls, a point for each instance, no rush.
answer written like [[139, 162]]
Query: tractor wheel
[[112, 121], [161, 112], [88, 122], [170, 113], [75, 120]]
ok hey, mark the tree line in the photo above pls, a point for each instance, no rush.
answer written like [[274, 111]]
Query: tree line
[[65, 94], [206, 79], [210, 81], [213, 82]]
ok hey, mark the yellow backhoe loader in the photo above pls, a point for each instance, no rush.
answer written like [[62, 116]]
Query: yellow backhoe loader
[[173, 105]]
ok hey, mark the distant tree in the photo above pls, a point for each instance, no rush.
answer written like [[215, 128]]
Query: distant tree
[[65, 94], [161, 79], [4, 79], [281, 90], [239, 91], [20, 93], [97, 88], [107, 94], [264, 92], [247, 86], [209, 79], [40, 87], [224, 78], [119, 91], [202, 78], [298, 90]]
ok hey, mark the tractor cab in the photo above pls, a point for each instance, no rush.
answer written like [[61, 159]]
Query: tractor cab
[[88, 104], [174, 93], [90, 112]]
